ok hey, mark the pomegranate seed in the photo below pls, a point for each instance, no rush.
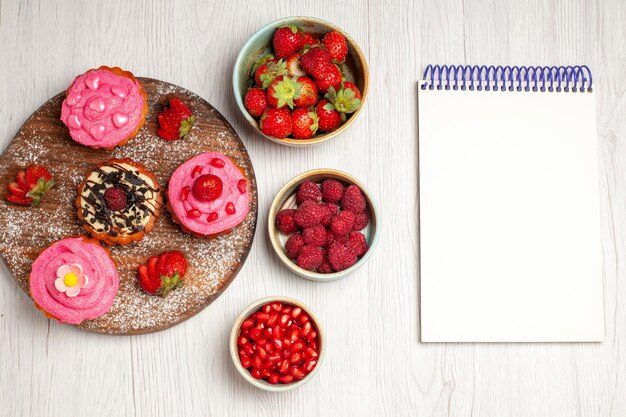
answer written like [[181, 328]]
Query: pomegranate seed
[[293, 334], [241, 186], [296, 372], [249, 350], [286, 309], [274, 357], [295, 357], [197, 170], [267, 333], [277, 306], [278, 343], [256, 374], [255, 333], [284, 366], [184, 193], [194, 213], [306, 329], [284, 321], [261, 352], [260, 343], [278, 332], [272, 320], [269, 365], [312, 336], [313, 345], [245, 362], [310, 353], [212, 217], [247, 324], [265, 373], [217, 163], [287, 343], [242, 341], [298, 346], [303, 319], [230, 208], [296, 312], [267, 308], [273, 379], [257, 363], [262, 317], [286, 379], [309, 365]]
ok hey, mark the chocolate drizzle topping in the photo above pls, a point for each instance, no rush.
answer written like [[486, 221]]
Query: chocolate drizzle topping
[[142, 200]]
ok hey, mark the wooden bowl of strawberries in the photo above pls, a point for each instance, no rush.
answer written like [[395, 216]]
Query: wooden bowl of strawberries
[[300, 81]]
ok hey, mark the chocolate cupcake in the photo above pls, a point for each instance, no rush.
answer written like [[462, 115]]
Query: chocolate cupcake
[[119, 201]]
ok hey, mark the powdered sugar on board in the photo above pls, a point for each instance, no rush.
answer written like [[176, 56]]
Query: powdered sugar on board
[[213, 263]]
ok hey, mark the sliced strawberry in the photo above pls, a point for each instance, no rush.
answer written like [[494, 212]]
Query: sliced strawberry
[[15, 189], [152, 267], [142, 273], [35, 172], [25, 201], [164, 122], [168, 135], [22, 181], [179, 107]]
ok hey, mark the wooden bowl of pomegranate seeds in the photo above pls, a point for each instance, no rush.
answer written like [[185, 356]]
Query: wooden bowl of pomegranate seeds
[[277, 343]]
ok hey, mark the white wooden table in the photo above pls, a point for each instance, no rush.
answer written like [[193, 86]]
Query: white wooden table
[[375, 364]]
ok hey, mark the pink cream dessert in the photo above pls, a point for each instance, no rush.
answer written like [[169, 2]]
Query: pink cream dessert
[[208, 195], [104, 107], [74, 279]]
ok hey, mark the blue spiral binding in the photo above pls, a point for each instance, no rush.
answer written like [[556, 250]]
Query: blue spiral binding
[[576, 78]]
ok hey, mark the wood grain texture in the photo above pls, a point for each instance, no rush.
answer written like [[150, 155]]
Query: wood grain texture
[[375, 365], [213, 262]]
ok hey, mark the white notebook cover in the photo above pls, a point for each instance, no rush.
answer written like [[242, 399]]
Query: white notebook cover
[[510, 245]]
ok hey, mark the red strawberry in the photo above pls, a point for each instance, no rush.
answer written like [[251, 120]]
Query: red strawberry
[[304, 123], [283, 91], [163, 273], [115, 199], [286, 41], [175, 120], [315, 60], [344, 100], [276, 123], [31, 186], [207, 187], [294, 68], [348, 85], [329, 118], [262, 61], [255, 101], [329, 77], [307, 40], [266, 73], [336, 45], [307, 93]]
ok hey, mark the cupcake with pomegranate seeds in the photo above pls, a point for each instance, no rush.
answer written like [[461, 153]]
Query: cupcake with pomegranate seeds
[[208, 195], [74, 279], [104, 107], [119, 201]]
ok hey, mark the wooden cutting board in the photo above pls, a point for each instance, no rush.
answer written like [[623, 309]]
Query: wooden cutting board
[[26, 231]]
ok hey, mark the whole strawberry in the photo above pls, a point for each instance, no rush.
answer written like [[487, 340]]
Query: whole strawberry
[[266, 73], [329, 118], [255, 101], [315, 60], [328, 77], [304, 123], [307, 93], [336, 45], [30, 186], [307, 40], [175, 120], [282, 92], [276, 123], [286, 41], [163, 273]]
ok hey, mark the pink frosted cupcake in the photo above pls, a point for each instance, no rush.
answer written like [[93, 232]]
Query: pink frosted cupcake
[[105, 107], [208, 195], [74, 279]]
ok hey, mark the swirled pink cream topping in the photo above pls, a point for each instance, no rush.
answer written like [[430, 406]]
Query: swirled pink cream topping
[[219, 214], [102, 108], [74, 280]]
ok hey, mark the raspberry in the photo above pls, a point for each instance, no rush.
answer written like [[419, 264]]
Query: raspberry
[[340, 256], [356, 243], [330, 210], [342, 223], [325, 267], [293, 245], [309, 215], [310, 257], [331, 238], [115, 199], [314, 236], [332, 191], [308, 190], [285, 223], [353, 200], [361, 220]]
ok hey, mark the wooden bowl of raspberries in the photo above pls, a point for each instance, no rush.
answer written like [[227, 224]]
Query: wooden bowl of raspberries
[[323, 224], [300, 81]]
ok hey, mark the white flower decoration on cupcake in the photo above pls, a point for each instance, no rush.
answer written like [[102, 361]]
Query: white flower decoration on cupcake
[[70, 279]]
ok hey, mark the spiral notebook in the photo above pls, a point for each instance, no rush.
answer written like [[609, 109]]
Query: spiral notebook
[[510, 245]]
